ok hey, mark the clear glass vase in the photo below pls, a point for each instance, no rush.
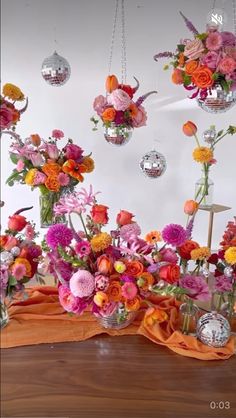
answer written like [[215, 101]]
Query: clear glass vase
[[228, 310], [204, 190], [217, 301], [47, 216], [4, 317], [189, 314], [116, 321], [117, 134]]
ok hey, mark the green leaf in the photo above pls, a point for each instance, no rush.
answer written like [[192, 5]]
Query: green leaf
[[14, 158], [201, 36], [12, 281], [187, 79], [181, 47], [11, 183], [215, 76], [219, 133], [225, 85], [14, 176]]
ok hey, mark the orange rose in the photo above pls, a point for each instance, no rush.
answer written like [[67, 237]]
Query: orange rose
[[185, 249], [170, 273], [124, 218], [52, 184], [134, 268], [74, 169], [99, 214], [114, 292], [177, 76], [111, 83], [202, 77], [190, 67], [35, 139], [100, 299], [109, 114], [189, 128], [104, 264], [133, 304], [145, 280], [190, 207], [51, 169], [154, 315], [88, 162]]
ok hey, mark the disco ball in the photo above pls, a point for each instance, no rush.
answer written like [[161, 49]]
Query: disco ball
[[55, 70], [209, 135], [213, 329], [117, 135], [217, 100], [153, 164]]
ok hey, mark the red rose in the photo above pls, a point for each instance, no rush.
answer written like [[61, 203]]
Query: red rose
[[170, 273], [99, 214], [128, 89], [213, 259], [124, 218], [17, 223], [185, 249]]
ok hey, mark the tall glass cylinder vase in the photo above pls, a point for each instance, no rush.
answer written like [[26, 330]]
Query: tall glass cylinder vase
[[47, 216], [228, 310], [4, 317], [189, 313], [204, 189]]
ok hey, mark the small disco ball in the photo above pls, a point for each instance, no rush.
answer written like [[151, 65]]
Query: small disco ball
[[153, 164], [213, 329], [55, 70], [117, 135], [217, 100], [209, 135]]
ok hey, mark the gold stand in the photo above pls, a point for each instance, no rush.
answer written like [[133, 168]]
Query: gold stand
[[212, 210]]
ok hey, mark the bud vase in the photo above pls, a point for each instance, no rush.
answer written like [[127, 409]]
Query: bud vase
[[117, 134], [204, 190], [228, 310], [189, 314], [116, 320], [46, 203], [4, 317]]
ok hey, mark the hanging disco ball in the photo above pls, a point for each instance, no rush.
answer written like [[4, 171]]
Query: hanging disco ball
[[217, 100], [153, 164], [55, 70], [213, 329], [117, 135], [209, 135]]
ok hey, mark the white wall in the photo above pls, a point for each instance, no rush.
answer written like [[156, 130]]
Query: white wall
[[83, 30]]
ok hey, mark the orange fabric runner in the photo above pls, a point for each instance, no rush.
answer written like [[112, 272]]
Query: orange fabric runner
[[41, 319]]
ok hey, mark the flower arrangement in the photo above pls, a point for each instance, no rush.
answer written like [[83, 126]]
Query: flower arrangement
[[118, 108], [9, 114], [42, 164], [201, 63]]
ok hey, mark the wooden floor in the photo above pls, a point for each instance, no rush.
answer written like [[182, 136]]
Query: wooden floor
[[114, 377]]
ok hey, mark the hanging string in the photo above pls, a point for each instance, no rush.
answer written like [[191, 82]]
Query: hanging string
[[123, 45], [234, 15], [113, 36]]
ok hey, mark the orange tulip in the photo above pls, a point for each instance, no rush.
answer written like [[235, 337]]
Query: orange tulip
[[111, 83], [104, 264], [190, 207], [35, 139], [74, 169], [177, 76], [154, 315], [189, 128]]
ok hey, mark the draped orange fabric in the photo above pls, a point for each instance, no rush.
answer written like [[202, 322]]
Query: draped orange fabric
[[41, 319]]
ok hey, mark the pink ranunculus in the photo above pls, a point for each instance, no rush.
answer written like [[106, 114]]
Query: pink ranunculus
[[36, 159], [99, 104], [20, 165], [53, 151], [168, 255], [228, 39], [196, 287], [57, 134], [194, 49], [29, 232], [227, 65], [211, 60], [140, 119], [39, 178], [19, 271], [6, 117], [67, 299], [63, 179], [73, 152], [119, 99], [214, 41]]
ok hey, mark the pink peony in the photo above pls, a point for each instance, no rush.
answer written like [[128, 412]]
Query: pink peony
[[20, 166], [39, 178], [57, 134], [18, 271], [214, 41], [211, 60], [73, 152], [227, 65], [196, 287], [99, 104], [29, 232], [6, 117], [194, 49], [130, 231], [228, 39], [139, 119], [53, 151], [63, 179], [168, 255], [119, 99], [101, 283], [129, 290], [82, 284], [83, 248]]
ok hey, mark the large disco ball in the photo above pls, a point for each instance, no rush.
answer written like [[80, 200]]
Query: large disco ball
[[153, 164], [217, 100], [55, 70], [213, 329], [117, 135]]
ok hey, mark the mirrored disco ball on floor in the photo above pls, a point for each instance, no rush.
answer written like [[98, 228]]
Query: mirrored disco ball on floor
[[217, 100], [213, 329], [56, 70], [153, 164], [117, 135]]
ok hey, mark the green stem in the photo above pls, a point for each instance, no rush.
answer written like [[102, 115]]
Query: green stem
[[198, 143], [84, 226]]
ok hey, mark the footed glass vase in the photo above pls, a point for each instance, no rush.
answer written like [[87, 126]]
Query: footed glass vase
[[4, 317], [204, 190], [189, 314], [47, 216]]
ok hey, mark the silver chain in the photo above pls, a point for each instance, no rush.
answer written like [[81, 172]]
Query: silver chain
[[123, 40], [113, 36], [234, 15]]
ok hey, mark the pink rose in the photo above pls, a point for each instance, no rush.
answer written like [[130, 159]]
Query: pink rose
[[194, 49], [36, 159], [227, 65], [57, 134], [20, 165], [139, 119], [168, 255], [6, 117], [67, 300], [211, 60], [39, 178], [119, 99], [228, 39], [214, 41], [99, 104], [53, 151], [63, 179], [73, 152]]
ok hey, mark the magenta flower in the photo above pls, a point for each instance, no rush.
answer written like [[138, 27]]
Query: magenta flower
[[34, 251], [223, 284], [174, 234], [130, 231], [82, 284], [83, 248], [129, 290], [4, 273], [57, 134], [119, 117], [73, 152], [59, 234], [196, 287], [69, 302], [168, 255], [214, 41], [228, 39], [6, 117]]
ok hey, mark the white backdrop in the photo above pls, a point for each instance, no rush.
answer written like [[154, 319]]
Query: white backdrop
[[83, 32]]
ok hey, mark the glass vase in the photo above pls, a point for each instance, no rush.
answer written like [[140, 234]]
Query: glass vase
[[117, 134], [217, 301], [204, 190], [4, 317], [228, 310], [189, 314], [47, 216], [116, 321]]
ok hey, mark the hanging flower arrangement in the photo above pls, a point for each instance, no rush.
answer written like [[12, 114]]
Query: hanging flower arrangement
[[9, 113]]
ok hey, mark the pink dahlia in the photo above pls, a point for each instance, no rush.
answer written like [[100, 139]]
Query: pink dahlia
[[57, 134], [129, 290], [59, 234], [130, 231], [196, 287], [174, 234], [82, 284], [83, 248], [214, 41]]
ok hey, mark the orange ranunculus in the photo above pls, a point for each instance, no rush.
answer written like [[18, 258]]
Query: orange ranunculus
[[88, 162], [170, 273], [190, 207], [109, 114], [51, 169], [52, 184], [99, 214], [181, 59], [133, 304], [202, 77], [26, 263], [104, 264], [185, 249], [177, 76], [100, 299], [145, 280], [134, 268], [114, 292], [133, 110], [124, 218], [191, 66], [111, 83], [154, 315], [74, 169], [35, 139], [189, 128]]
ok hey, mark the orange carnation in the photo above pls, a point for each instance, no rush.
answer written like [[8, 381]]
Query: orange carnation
[[202, 77], [109, 114], [114, 292], [190, 67], [134, 268], [51, 169], [74, 169], [133, 304]]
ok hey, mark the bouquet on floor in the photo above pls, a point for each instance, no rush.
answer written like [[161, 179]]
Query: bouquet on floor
[[9, 113]]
